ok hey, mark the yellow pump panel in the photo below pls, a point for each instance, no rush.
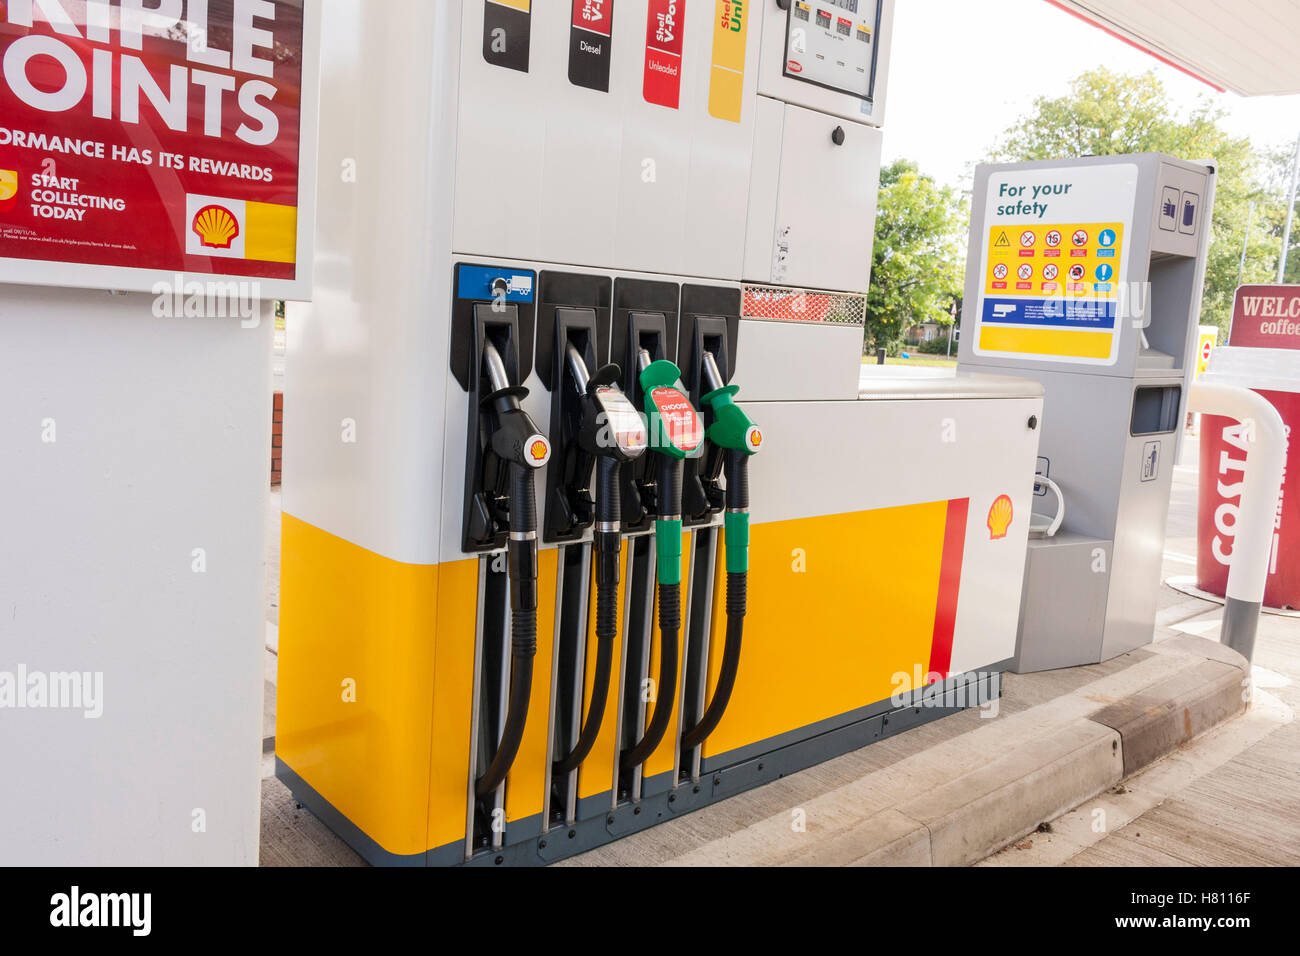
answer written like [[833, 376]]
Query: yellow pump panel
[[356, 681], [837, 582]]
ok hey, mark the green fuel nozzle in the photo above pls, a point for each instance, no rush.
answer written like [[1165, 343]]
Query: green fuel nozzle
[[739, 439], [676, 433], [734, 432]]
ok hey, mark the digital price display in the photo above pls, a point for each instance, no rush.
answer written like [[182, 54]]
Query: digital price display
[[831, 43]]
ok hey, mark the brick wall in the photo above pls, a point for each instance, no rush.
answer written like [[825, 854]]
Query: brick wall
[[277, 437]]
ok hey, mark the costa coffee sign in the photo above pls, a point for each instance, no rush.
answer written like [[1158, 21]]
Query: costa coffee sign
[[149, 139], [1266, 317]]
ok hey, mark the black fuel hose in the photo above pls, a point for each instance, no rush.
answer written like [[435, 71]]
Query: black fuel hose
[[670, 622], [522, 551], [607, 549], [737, 470]]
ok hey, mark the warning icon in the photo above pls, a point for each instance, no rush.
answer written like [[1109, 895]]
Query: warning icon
[[1003, 242]]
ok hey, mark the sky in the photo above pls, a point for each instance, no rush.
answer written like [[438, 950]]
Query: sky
[[961, 72]]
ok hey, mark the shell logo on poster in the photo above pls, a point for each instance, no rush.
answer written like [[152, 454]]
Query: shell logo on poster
[[216, 227], [8, 189], [237, 229]]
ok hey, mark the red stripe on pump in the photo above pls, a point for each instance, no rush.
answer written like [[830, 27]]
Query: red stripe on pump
[[945, 612]]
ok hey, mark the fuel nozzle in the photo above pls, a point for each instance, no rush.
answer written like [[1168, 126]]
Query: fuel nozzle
[[612, 433], [519, 443], [739, 439], [676, 433]]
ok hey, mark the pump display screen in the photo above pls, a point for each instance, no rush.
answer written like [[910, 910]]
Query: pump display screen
[[832, 43]]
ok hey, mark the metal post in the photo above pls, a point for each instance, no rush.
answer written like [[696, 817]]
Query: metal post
[[1290, 212], [1261, 486]]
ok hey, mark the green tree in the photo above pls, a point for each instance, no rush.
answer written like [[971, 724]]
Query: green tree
[[1269, 222], [1108, 113], [918, 261]]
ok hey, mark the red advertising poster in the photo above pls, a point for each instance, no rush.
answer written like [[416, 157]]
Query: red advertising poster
[[143, 140], [1266, 317], [665, 24]]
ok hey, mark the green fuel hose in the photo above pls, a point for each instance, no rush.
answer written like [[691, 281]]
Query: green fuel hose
[[733, 431], [737, 536], [668, 544]]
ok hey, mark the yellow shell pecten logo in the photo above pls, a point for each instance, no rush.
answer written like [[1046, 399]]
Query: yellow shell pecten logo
[[216, 227], [539, 451], [1000, 517]]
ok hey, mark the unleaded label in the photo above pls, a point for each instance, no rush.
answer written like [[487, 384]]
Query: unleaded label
[[665, 24]]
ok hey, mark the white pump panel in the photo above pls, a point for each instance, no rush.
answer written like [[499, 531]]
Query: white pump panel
[[569, 174]]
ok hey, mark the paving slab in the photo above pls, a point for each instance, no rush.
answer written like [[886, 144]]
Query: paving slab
[[970, 782], [1095, 820]]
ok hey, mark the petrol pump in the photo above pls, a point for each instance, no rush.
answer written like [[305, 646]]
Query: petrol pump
[[627, 233]]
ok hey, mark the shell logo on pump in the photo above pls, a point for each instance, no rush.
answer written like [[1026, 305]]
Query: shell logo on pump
[[216, 227], [1000, 517], [539, 451], [754, 439], [8, 189]]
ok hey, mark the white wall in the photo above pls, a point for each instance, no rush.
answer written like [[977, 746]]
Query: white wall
[[162, 446]]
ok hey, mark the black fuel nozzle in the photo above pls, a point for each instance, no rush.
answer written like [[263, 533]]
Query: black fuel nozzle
[[613, 433], [518, 443]]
